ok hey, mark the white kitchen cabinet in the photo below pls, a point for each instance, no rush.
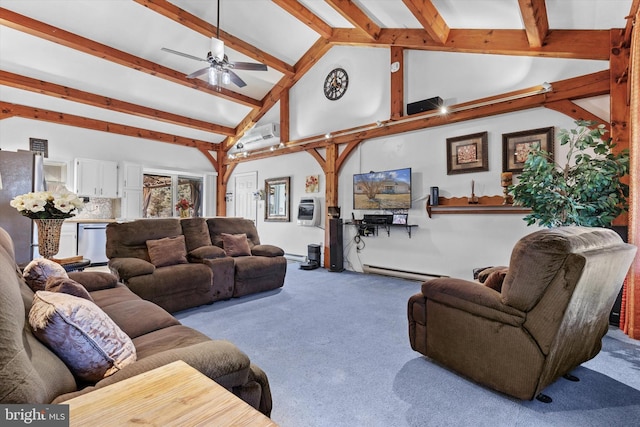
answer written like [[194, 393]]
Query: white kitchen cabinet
[[131, 176], [96, 178], [131, 180], [131, 204]]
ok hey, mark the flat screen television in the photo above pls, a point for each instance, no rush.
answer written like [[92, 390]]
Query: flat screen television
[[387, 190]]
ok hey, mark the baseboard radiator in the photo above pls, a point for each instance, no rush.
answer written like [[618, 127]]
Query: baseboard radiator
[[295, 257], [404, 274]]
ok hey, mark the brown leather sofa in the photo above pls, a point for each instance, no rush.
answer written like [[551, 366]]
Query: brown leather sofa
[[30, 372], [204, 273], [547, 316]]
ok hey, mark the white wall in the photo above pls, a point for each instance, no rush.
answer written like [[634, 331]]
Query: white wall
[[445, 244]]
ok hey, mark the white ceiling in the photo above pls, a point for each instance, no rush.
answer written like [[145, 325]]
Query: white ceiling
[[137, 30]]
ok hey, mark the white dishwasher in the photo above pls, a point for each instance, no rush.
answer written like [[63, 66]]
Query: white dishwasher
[[92, 242]]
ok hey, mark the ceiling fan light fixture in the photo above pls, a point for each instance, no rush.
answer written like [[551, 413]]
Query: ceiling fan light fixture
[[217, 49], [226, 77], [213, 76]]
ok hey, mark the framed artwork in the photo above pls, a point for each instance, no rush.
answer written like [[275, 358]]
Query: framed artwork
[[39, 146], [517, 145], [311, 184], [467, 153]]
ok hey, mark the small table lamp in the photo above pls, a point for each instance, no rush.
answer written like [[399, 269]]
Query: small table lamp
[[506, 179]]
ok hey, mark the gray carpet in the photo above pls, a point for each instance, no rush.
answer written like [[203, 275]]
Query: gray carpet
[[336, 351]]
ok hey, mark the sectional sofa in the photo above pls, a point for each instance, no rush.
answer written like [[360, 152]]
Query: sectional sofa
[[77, 332], [183, 263]]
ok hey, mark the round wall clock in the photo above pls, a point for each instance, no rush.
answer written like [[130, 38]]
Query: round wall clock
[[335, 85]]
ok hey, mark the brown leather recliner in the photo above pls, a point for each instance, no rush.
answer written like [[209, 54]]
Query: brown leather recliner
[[549, 317]]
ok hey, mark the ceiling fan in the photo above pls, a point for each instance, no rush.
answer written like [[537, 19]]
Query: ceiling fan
[[220, 69]]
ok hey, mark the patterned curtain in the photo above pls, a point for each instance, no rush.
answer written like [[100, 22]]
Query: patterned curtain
[[630, 312]]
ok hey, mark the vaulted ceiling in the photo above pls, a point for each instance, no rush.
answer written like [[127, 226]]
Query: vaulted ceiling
[[99, 64]]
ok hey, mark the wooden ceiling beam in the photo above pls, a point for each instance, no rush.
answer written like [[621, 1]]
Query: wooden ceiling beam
[[99, 125], [536, 23], [65, 38], [430, 19], [569, 44], [356, 17], [209, 30], [304, 15], [564, 90], [76, 95], [576, 112]]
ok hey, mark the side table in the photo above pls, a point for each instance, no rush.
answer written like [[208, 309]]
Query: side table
[[172, 395]]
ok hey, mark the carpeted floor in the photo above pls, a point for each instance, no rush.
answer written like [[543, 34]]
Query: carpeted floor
[[336, 350]]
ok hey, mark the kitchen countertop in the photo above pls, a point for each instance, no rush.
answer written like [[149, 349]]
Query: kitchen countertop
[[91, 220]]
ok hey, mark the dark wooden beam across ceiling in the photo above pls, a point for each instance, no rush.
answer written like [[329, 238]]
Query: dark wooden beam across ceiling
[[536, 23], [16, 110], [76, 95], [429, 17]]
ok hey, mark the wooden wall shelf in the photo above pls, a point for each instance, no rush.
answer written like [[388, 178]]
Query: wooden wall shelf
[[485, 205]]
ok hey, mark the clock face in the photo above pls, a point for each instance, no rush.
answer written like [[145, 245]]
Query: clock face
[[335, 85]]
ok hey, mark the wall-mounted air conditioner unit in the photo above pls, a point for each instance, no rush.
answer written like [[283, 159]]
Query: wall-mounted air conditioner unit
[[259, 134]]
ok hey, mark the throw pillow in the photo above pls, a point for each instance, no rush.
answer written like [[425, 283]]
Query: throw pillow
[[235, 244], [495, 279], [81, 334], [167, 251], [39, 270], [67, 286]]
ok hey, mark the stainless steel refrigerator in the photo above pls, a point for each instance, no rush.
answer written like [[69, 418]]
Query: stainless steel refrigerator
[[22, 172]]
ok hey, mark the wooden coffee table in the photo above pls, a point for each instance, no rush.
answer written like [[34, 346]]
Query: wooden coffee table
[[172, 395]]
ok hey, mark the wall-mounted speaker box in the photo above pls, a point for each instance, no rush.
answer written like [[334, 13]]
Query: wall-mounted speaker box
[[424, 105]]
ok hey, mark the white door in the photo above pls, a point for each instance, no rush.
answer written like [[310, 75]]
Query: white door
[[246, 206]]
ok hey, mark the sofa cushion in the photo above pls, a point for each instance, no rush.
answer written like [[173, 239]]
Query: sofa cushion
[[195, 232], [67, 286], [235, 244], [81, 334], [167, 251], [94, 280], [206, 252], [127, 268], [231, 225], [267, 250], [39, 270]]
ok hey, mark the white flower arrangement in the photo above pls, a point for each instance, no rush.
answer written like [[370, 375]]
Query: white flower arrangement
[[48, 205]]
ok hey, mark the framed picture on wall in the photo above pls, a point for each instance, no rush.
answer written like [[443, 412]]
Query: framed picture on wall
[[468, 153], [517, 145]]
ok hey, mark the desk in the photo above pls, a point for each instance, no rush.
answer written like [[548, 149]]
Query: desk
[[172, 395]]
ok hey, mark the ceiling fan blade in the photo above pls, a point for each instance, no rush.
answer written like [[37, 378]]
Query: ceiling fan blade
[[251, 66], [198, 73], [236, 79], [186, 55]]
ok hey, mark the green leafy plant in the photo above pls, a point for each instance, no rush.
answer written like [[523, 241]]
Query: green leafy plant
[[587, 190]]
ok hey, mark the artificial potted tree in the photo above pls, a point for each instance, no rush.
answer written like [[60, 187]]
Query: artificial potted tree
[[586, 190]]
